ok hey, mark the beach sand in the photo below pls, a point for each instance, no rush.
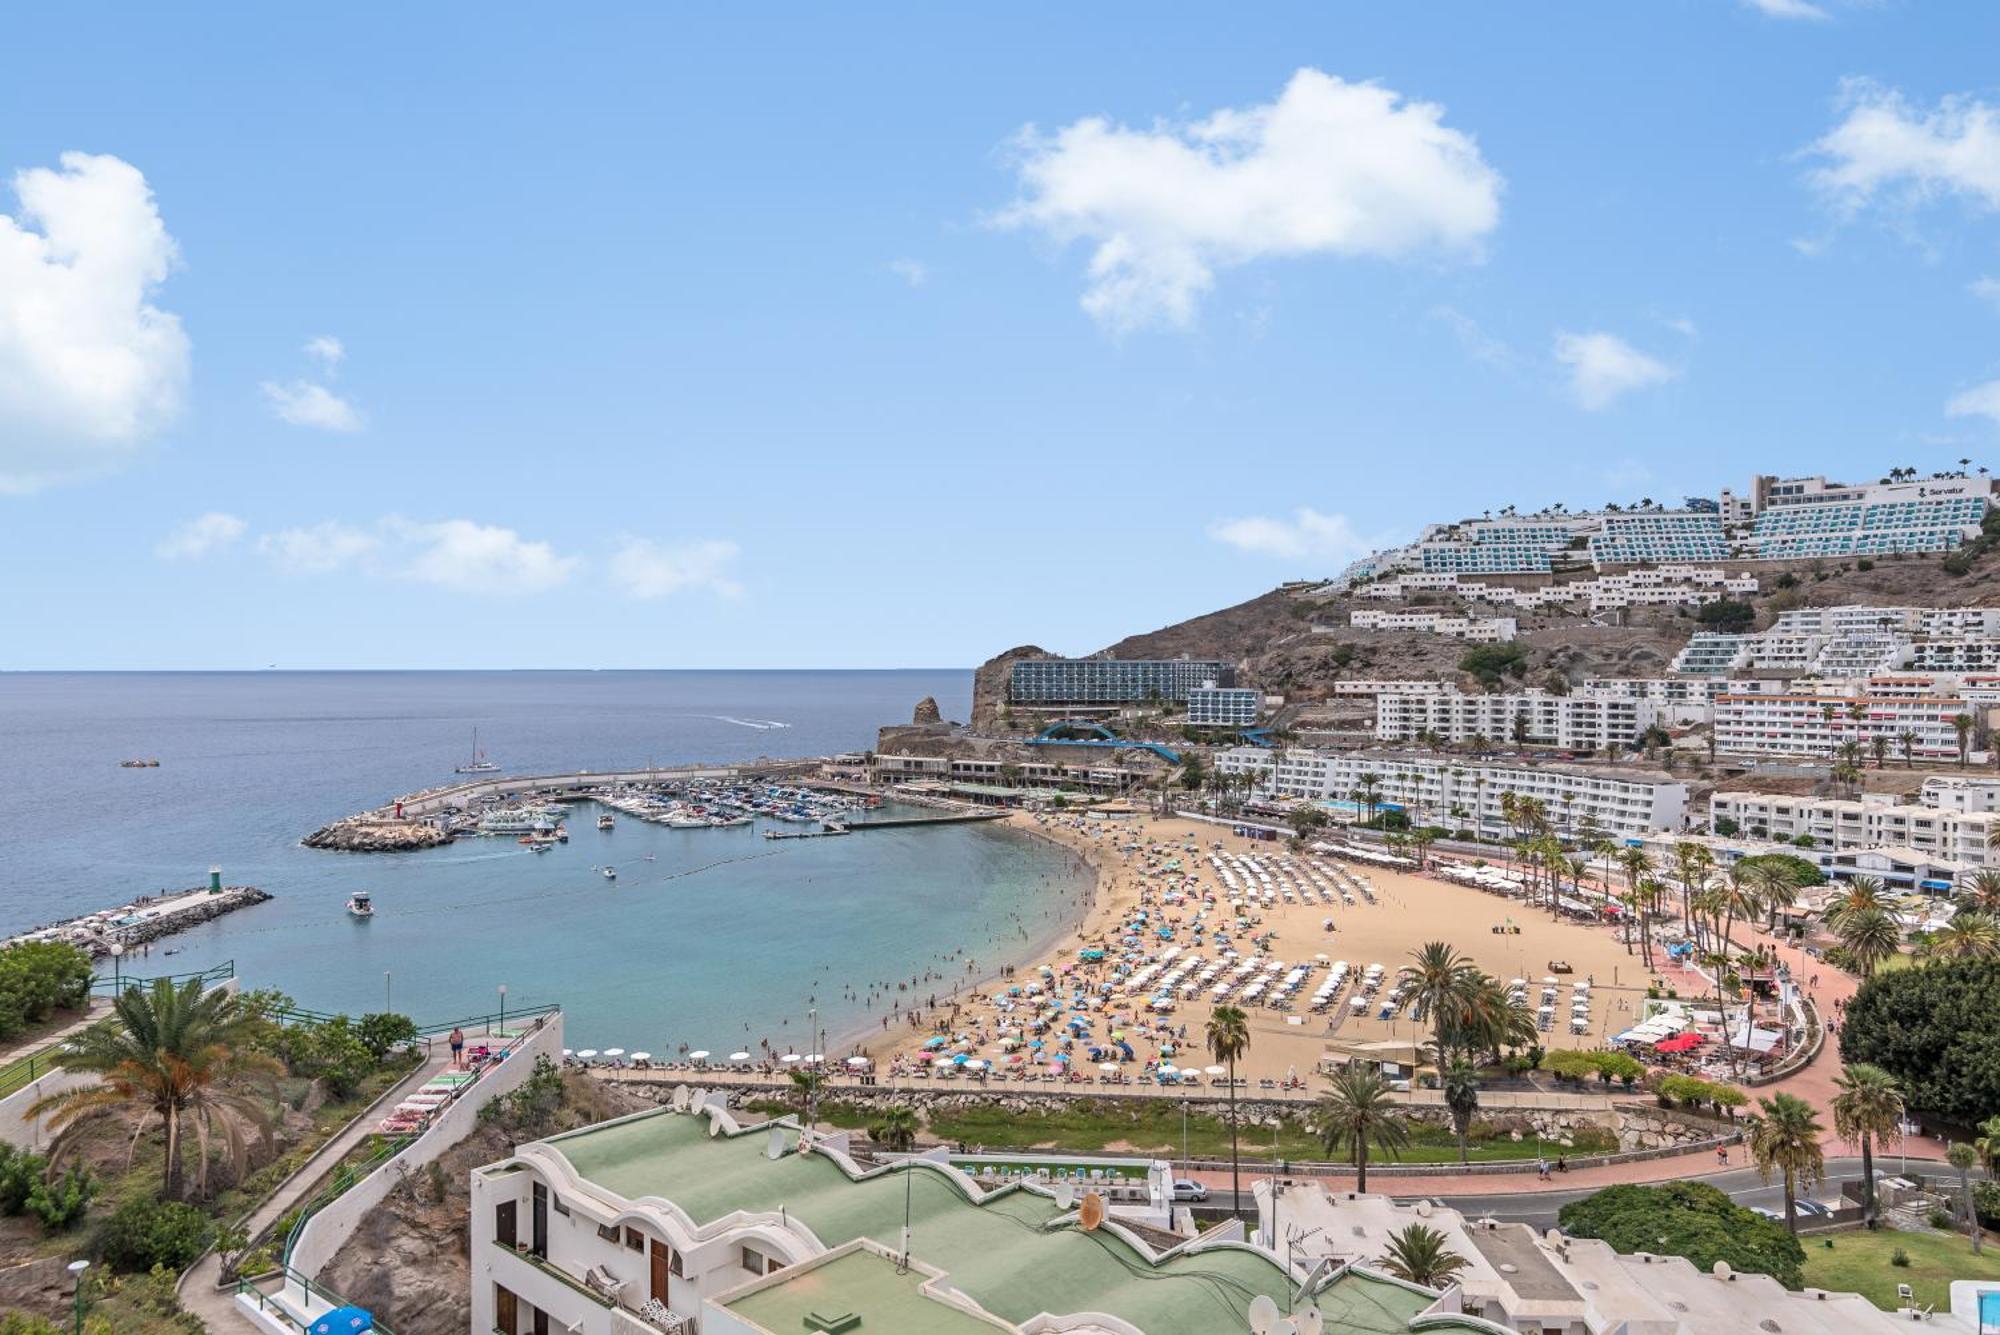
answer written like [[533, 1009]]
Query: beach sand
[[1411, 909]]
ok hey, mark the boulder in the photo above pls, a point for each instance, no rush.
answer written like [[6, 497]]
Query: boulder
[[926, 713]]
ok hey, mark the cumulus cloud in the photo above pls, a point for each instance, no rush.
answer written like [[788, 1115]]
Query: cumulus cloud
[[327, 350], [1472, 336], [304, 403], [1603, 367], [1979, 401], [914, 272], [317, 549], [1306, 535], [202, 536], [476, 558], [1330, 167], [90, 369], [1884, 150], [644, 568], [1789, 9], [1987, 290]]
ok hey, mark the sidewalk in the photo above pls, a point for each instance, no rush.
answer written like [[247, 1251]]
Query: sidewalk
[[1446, 1182], [217, 1307]]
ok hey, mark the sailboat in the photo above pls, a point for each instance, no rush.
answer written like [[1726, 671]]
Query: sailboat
[[479, 764]]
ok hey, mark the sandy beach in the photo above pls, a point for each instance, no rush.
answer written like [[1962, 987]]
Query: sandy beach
[[1161, 902]]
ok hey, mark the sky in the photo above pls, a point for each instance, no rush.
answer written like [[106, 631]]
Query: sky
[[880, 336]]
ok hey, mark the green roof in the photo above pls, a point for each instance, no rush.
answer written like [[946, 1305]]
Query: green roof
[[860, 1284], [995, 1252]]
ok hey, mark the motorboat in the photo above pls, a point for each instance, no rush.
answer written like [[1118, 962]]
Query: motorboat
[[610, 873], [359, 905], [539, 845], [605, 821]]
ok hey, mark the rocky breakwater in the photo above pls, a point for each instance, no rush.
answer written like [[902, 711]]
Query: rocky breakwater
[[362, 834]]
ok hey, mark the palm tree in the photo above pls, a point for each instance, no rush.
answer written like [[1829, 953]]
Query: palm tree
[[1868, 1107], [1968, 936], [1983, 894], [1879, 745], [1461, 1096], [805, 1084], [1988, 1145], [172, 1054], [896, 1128], [1870, 937], [1229, 1038], [1907, 740], [1961, 724], [1443, 980], [1863, 894], [1962, 1156], [1785, 1136], [1358, 1109], [1417, 1255]]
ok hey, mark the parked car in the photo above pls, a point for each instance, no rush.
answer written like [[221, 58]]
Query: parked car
[[1190, 1191]]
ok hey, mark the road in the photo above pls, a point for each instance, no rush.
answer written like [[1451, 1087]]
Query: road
[[1538, 1208]]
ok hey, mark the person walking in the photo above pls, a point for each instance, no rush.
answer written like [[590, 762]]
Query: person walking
[[457, 1041]]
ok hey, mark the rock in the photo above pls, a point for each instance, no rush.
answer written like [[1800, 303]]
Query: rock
[[927, 713], [359, 834]]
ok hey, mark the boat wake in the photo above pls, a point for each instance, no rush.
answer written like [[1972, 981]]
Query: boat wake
[[761, 724]]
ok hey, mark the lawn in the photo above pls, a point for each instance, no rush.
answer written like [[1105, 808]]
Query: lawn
[[1087, 1126], [1859, 1262]]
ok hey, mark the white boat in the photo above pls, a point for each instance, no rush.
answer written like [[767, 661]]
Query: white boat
[[539, 846], [479, 764], [605, 822], [610, 873], [359, 905]]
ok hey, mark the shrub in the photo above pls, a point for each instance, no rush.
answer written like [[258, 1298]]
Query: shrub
[[19, 1172], [38, 978], [1727, 615], [144, 1233], [1932, 1028], [59, 1204], [1690, 1219], [382, 1031], [1899, 1257], [1800, 871], [1490, 662]]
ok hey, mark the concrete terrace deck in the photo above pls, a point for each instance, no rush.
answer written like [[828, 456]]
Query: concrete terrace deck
[[864, 1284], [999, 1250]]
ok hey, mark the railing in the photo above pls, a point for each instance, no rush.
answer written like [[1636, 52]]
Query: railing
[[491, 1019], [560, 1275], [24, 1071], [345, 1175], [116, 984], [270, 1306]]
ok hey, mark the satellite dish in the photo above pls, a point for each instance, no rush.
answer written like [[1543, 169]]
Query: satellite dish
[[1556, 1238], [1065, 1194], [1286, 1327], [1423, 1209], [774, 1143], [714, 1129], [1309, 1321], [680, 1099], [1092, 1213], [1721, 1270], [1263, 1315]]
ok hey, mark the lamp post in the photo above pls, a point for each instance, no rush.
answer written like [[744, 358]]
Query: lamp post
[[386, 1007], [503, 1010], [117, 968], [77, 1268]]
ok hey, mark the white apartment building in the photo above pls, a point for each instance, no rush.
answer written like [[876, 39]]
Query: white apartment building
[[1661, 586], [1458, 795], [1874, 821], [1575, 722], [1965, 795], [1361, 686], [1212, 706], [1819, 724], [1637, 536], [1482, 630], [1803, 518]]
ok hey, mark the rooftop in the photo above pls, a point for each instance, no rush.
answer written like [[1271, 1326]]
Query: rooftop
[[1003, 1249], [861, 1284]]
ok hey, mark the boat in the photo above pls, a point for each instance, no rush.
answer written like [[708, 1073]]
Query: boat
[[138, 764], [610, 873], [605, 822], [539, 846], [562, 834], [479, 764], [359, 905]]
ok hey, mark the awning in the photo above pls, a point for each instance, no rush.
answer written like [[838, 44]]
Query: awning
[[1685, 1042]]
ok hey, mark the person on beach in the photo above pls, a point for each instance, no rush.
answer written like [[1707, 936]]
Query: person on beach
[[457, 1041]]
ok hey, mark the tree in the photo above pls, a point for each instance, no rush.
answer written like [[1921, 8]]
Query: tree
[[1690, 1219], [171, 1054], [1962, 1156], [1784, 1137], [1417, 1254], [1727, 616], [1359, 1110], [1228, 1038], [1868, 1108], [1307, 819], [1933, 1030], [1461, 1096], [1961, 724], [1443, 981], [383, 1031], [806, 1086], [896, 1128], [1869, 937], [1968, 936], [1907, 740], [1982, 893]]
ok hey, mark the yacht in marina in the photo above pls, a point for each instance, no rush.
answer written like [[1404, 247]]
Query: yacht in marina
[[479, 764]]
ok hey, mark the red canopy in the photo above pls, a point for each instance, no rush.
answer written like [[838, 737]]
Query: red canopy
[[1682, 1042]]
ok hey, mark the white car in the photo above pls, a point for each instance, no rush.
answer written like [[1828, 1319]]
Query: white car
[[1190, 1191]]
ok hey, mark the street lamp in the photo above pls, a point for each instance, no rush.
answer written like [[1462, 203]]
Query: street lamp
[[117, 971], [386, 1007], [77, 1268], [503, 1010]]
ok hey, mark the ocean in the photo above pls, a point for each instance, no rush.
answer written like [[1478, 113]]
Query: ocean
[[721, 939]]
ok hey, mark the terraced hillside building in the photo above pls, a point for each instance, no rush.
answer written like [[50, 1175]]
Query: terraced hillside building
[[686, 1220], [1096, 683]]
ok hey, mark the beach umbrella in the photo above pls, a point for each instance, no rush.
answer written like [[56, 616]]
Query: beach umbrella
[[619, 1052], [568, 1053], [698, 1055], [1107, 1067], [586, 1054], [975, 1065], [789, 1058], [857, 1062], [642, 1056], [739, 1056], [1215, 1070]]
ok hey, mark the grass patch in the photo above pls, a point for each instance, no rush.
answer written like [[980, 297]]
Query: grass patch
[[1093, 1126], [1859, 1262]]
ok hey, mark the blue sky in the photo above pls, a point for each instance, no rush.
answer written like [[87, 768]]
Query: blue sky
[[446, 336]]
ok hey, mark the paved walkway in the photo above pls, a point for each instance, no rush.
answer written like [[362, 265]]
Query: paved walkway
[[98, 1008], [198, 1288]]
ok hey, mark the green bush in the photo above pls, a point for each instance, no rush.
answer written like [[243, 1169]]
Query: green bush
[[1932, 1028], [1899, 1257], [19, 1172], [1490, 662], [38, 978], [1726, 615], [1690, 1219], [147, 1232], [384, 1031], [1800, 871], [61, 1203]]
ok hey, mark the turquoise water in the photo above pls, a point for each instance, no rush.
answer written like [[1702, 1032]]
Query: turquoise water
[[723, 938]]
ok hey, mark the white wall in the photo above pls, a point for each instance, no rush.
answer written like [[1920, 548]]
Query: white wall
[[25, 1132]]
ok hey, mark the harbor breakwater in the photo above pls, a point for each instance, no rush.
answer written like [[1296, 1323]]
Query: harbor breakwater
[[147, 919]]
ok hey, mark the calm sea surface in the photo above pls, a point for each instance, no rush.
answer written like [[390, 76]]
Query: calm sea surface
[[722, 938]]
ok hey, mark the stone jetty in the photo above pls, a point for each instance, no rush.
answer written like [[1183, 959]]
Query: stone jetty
[[362, 834]]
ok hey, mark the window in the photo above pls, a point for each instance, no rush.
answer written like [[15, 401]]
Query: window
[[757, 1263], [557, 1201], [609, 1232], [635, 1240]]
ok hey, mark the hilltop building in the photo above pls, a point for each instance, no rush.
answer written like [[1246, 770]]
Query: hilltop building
[[1063, 682], [1574, 722]]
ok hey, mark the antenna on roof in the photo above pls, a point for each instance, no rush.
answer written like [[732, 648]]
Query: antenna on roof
[[903, 1261]]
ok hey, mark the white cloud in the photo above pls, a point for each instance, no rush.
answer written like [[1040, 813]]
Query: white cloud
[[1979, 401], [89, 368], [1885, 149], [317, 549], [1603, 367], [202, 536], [1986, 289], [303, 403], [327, 350], [1330, 167], [476, 558], [914, 272], [1308, 534], [644, 568], [1789, 9], [1472, 336]]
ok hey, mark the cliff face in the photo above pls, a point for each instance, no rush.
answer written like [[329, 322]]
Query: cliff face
[[989, 687]]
